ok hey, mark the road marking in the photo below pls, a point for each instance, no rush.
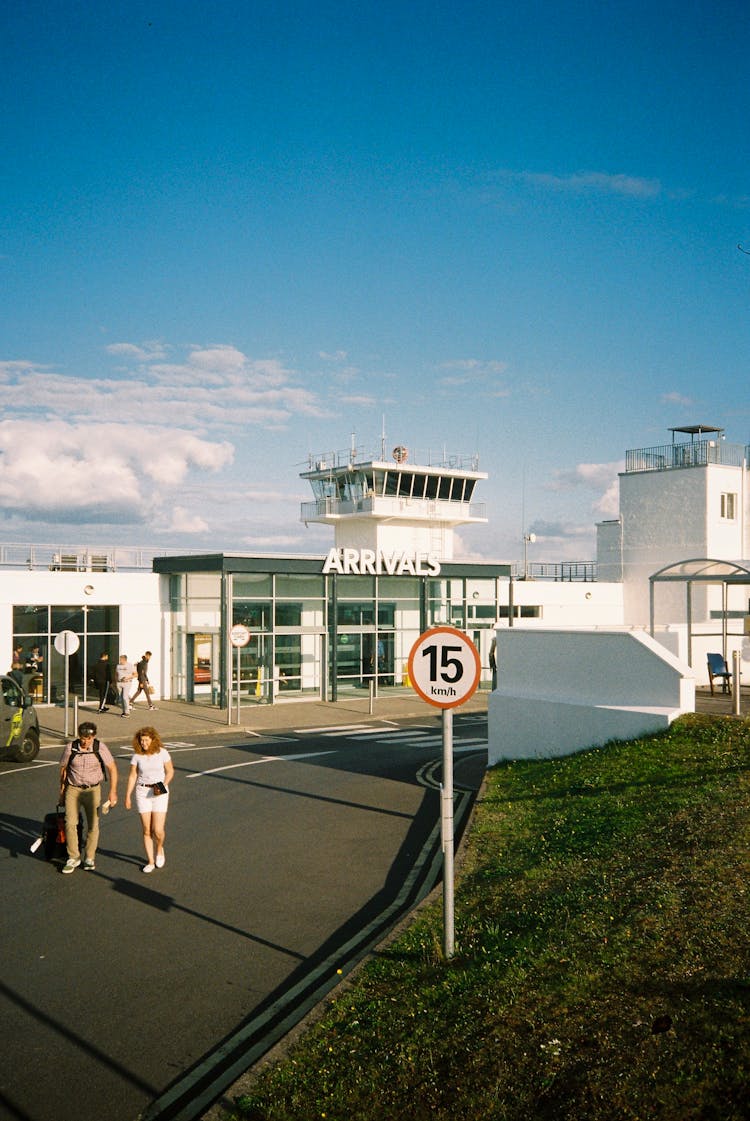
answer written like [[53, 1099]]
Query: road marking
[[34, 766], [263, 759], [337, 729]]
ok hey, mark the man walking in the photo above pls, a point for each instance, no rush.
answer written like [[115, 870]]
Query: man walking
[[143, 686], [125, 675], [103, 679], [84, 764]]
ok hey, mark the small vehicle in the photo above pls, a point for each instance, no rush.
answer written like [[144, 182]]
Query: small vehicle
[[19, 724]]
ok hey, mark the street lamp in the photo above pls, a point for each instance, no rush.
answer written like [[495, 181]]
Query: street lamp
[[528, 539]]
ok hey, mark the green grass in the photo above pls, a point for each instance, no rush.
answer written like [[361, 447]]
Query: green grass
[[602, 968]]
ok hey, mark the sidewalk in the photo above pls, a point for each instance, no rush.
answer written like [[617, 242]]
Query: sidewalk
[[178, 720]]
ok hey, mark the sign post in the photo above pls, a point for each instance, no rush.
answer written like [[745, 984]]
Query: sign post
[[444, 669], [239, 636], [66, 643]]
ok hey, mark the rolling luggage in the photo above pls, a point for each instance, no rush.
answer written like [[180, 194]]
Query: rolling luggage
[[52, 840], [53, 835]]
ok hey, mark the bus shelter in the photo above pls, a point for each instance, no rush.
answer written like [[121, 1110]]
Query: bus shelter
[[701, 571]]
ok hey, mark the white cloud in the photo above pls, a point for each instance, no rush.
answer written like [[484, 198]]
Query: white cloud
[[182, 521], [364, 401], [147, 352], [600, 182], [597, 476], [97, 472], [675, 398]]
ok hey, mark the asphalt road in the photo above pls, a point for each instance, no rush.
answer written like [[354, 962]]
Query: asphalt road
[[288, 858]]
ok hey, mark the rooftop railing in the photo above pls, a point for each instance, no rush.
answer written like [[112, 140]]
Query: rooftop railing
[[562, 571], [411, 457], [78, 558], [697, 453]]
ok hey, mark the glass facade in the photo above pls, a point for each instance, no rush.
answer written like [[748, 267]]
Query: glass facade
[[314, 635], [34, 629]]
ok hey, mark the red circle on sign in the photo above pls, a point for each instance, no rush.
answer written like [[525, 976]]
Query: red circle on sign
[[450, 674]]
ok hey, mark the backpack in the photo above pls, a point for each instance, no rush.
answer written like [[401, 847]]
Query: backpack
[[76, 750]]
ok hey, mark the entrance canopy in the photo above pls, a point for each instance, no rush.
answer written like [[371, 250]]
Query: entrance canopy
[[701, 570]]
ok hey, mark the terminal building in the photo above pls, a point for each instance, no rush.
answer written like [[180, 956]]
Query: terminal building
[[320, 627]]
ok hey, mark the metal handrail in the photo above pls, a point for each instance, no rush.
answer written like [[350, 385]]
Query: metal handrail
[[698, 453]]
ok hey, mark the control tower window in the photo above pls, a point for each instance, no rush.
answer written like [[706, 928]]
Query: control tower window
[[431, 490], [392, 480]]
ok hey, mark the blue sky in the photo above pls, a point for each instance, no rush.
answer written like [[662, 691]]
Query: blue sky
[[234, 234]]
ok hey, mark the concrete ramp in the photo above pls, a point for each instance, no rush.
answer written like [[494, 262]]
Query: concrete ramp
[[560, 691]]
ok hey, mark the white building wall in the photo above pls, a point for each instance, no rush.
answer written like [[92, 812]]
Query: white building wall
[[142, 597], [664, 520], [396, 537], [567, 604]]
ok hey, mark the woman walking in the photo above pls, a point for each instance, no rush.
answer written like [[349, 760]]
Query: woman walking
[[151, 772]]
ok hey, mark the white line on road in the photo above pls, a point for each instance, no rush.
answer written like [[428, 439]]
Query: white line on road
[[263, 759]]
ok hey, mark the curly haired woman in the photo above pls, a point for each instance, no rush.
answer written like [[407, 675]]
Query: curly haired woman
[[151, 772]]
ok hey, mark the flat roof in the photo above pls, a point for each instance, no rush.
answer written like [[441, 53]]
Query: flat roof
[[304, 565]]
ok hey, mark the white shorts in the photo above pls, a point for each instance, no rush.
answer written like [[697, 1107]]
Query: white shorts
[[147, 802]]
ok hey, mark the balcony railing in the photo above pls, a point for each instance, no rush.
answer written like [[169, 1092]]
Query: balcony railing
[[698, 453], [393, 508]]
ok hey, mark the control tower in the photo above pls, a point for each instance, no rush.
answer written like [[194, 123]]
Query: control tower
[[408, 503]]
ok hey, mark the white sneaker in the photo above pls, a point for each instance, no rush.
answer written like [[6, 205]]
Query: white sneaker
[[70, 865], [161, 860], [147, 867]]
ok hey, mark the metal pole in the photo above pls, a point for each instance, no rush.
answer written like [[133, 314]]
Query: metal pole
[[736, 660], [372, 696], [446, 822], [67, 681], [239, 716]]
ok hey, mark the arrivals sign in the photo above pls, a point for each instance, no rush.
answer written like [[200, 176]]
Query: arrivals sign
[[378, 562]]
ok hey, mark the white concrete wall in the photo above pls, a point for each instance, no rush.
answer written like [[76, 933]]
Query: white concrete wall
[[561, 691], [566, 603]]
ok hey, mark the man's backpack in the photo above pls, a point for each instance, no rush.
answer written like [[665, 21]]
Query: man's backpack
[[76, 750]]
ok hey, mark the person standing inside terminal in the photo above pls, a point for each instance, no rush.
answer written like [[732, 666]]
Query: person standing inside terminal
[[143, 684], [151, 771]]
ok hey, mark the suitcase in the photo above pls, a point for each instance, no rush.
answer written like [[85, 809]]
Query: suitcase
[[53, 835]]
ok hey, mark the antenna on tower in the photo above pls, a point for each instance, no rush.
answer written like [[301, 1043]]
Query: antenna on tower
[[382, 439]]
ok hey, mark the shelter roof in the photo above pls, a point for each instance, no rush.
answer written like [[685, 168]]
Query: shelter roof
[[706, 570]]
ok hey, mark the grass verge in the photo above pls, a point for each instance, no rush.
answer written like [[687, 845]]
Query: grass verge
[[602, 968]]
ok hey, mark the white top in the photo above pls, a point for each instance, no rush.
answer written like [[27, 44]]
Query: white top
[[151, 767]]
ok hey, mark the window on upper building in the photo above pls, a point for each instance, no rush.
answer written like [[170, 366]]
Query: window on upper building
[[729, 506]]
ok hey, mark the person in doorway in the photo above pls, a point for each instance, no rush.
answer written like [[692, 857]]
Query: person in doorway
[[103, 678], [151, 772], [84, 765], [493, 662], [125, 676], [143, 683]]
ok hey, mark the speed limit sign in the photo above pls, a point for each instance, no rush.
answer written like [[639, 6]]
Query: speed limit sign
[[444, 667]]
